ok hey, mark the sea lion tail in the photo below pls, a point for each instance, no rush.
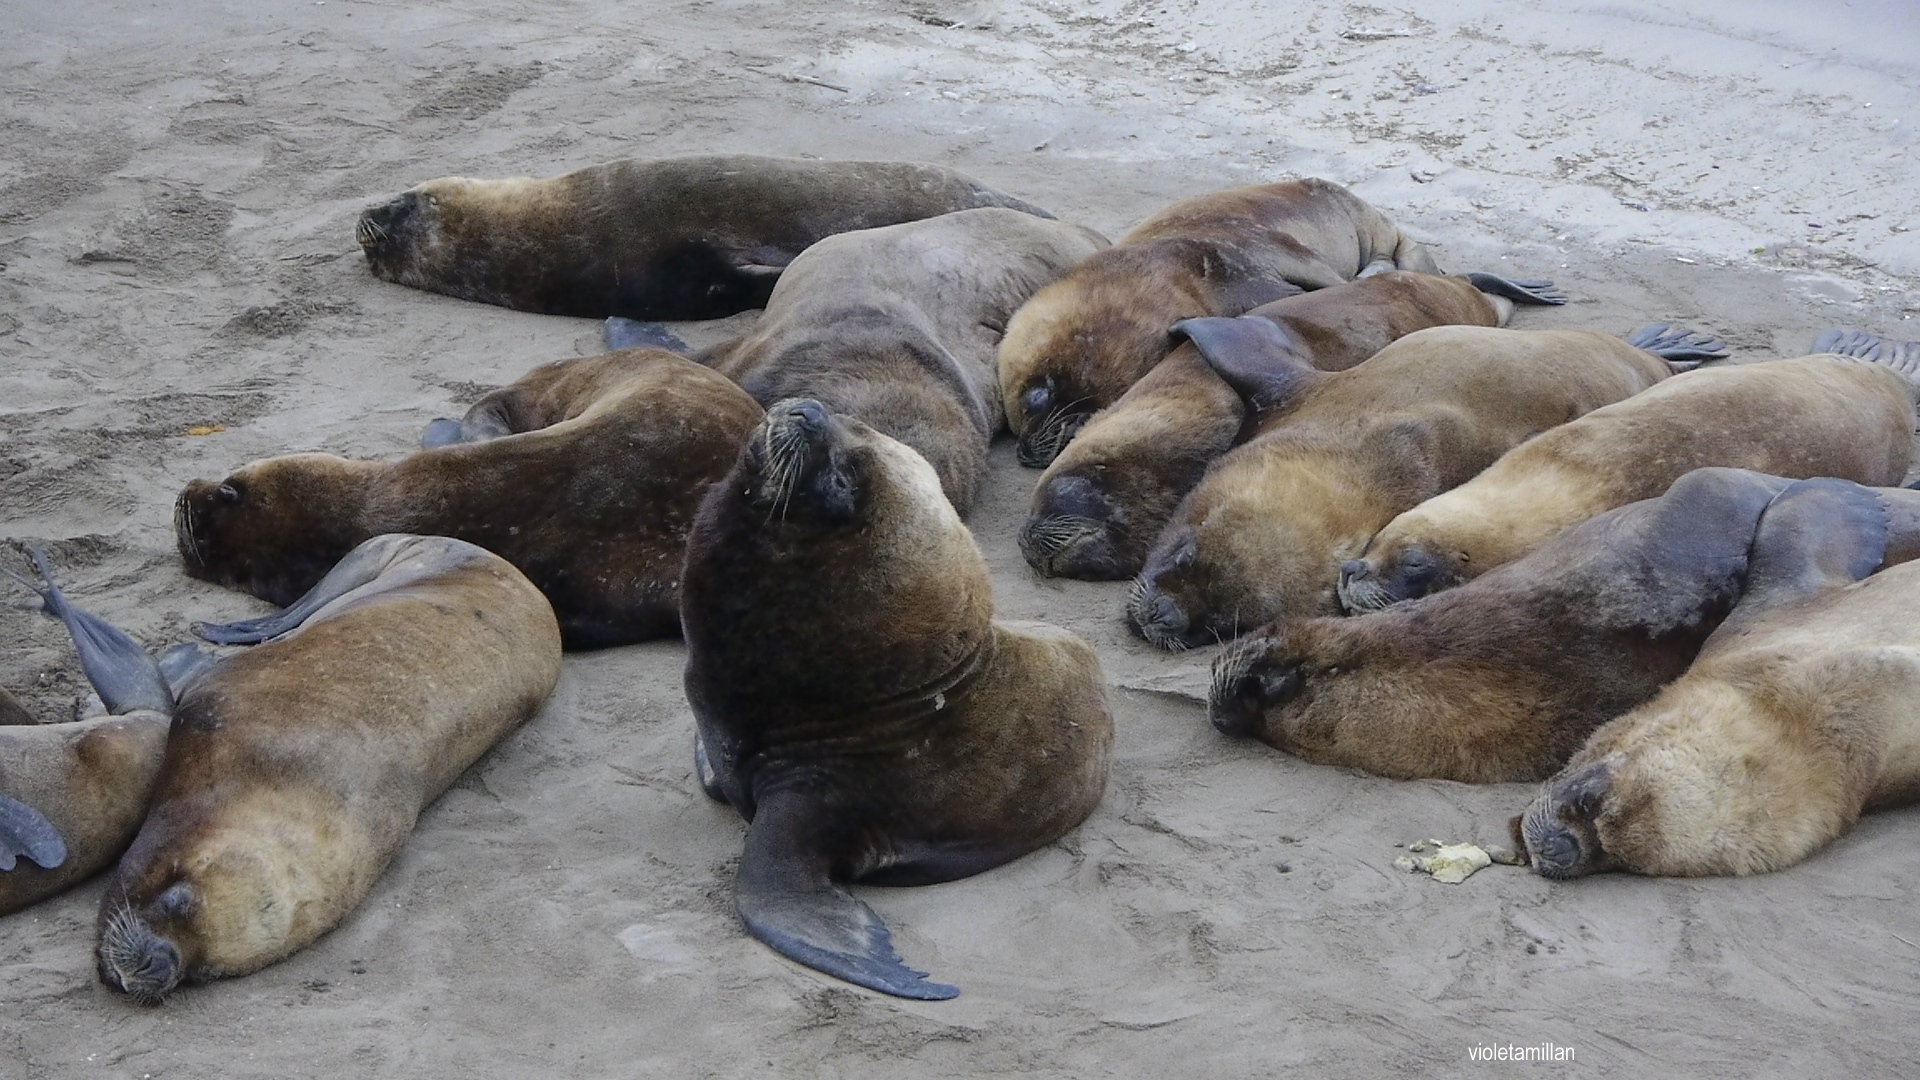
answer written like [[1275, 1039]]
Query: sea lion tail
[[24, 831], [786, 899], [125, 675], [1902, 356], [623, 333], [1536, 291], [1680, 347]]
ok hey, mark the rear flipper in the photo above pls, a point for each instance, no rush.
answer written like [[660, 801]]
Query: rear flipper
[[1901, 356], [1520, 291], [124, 675], [487, 419], [1252, 355], [1680, 347], [25, 832], [787, 900], [623, 333], [362, 564], [1815, 536], [183, 665]]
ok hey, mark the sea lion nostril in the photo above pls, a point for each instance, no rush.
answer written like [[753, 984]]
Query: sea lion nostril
[[1356, 570]]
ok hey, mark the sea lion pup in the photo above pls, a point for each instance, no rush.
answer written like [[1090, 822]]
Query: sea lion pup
[[1263, 535], [1816, 415], [855, 699], [296, 770], [672, 238], [897, 326], [1081, 342], [1104, 499], [584, 474], [1802, 712], [1502, 678]]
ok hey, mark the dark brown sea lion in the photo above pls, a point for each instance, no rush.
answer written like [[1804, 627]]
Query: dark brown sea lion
[[1504, 677], [1264, 533], [1099, 506], [1812, 416], [295, 770], [855, 699], [673, 238], [1801, 713], [897, 327], [1081, 342], [584, 474]]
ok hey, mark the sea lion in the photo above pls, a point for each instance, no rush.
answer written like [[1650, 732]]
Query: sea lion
[[897, 326], [1264, 533], [1504, 677], [1816, 415], [672, 238], [296, 770], [584, 474], [1104, 499], [855, 699], [1081, 342], [1801, 713]]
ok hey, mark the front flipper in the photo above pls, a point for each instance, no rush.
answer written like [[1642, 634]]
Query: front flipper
[[624, 333], [1816, 535], [1253, 355], [25, 832], [1681, 348], [788, 900], [488, 419], [361, 565], [124, 675], [1519, 291]]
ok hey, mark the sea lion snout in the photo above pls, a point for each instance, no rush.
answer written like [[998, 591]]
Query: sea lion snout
[[1050, 423], [135, 961], [382, 230], [1383, 580], [796, 454], [1246, 683], [1070, 533], [1558, 832]]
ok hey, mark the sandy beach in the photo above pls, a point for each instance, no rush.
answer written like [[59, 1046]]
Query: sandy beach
[[178, 186]]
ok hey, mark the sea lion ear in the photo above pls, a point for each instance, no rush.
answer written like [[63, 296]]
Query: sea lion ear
[[1251, 354], [1240, 297], [1815, 536]]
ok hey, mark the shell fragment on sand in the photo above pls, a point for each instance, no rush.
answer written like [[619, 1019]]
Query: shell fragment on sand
[[1449, 863]]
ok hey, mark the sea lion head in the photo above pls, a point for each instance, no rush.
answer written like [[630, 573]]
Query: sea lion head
[[1086, 523], [1394, 571], [407, 238], [273, 528], [1561, 831], [1270, 684]]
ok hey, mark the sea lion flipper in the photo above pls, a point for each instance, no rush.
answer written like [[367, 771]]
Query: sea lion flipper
[[1530, 291], [1243, 295], [1816, 535], [1681, 348], [786, 899], [1253, 355], [1901, 356], [183, 664], [25, 831], [362, 565], [124, 674], [624, 333], [440, 432]]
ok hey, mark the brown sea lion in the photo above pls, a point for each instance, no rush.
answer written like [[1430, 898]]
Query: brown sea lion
[[1816, 415], [1504, 677], [1264, 533], [296, 770], [1081, 342], [897, 326], [856, 700], [584, 474], [672, 238], [1801, 713], [1104, 499]]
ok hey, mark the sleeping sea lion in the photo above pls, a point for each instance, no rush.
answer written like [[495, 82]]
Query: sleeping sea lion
[[295, 770], [855, 699], [1801, 713], [1816, 415], [672, 238], [584, 474]]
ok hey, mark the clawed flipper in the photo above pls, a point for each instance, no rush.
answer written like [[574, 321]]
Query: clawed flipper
[[24, 832], [125, 676], [1901, 356], [1520, 291], [1680, 347], [621, 333]]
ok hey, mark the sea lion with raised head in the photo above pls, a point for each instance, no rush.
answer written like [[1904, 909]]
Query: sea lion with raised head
[[296, 770], [1816, 415], [1265, 532], [584, 474], [1104, 499], [1504, 677], [897, 326], [855, 699], [1801, 713], [672, 238]]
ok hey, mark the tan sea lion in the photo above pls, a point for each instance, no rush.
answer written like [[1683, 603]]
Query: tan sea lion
[[1263, 535], [1504, 677], [855, 699], [296, 770], [1801, 713], [897, 326], [1082, 341], [672, 238], [584, 474], [1103, 500], [1816, 415]]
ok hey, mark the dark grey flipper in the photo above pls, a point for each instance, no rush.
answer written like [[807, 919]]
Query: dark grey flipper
[[441, 432], [1815, 536], [1901, 356], [486, 420], [25, 832], [622, 333], [1677, 345], [124, 675], [183, 665], [787, 900], [703, 769], [1244, 295], [360, 566], [1519, 290], [1253, 355]]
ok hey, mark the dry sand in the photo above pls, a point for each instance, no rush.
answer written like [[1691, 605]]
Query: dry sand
[[177, 189]]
